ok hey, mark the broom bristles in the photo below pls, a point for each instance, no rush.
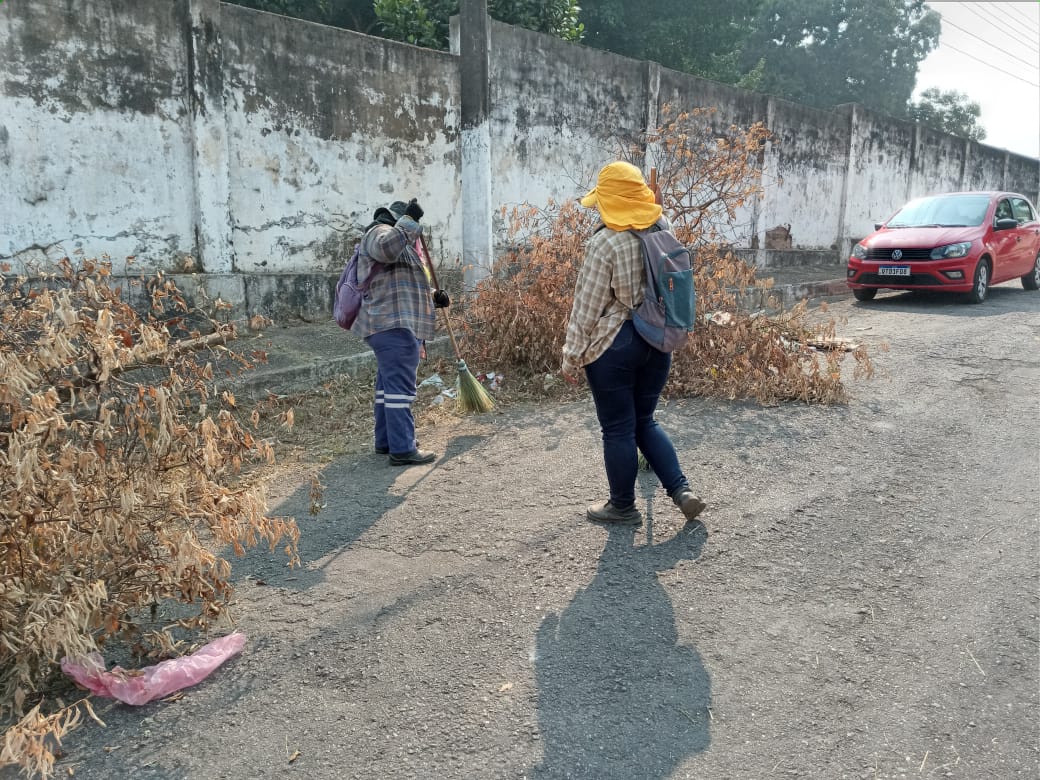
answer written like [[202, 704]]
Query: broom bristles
[[472, 397]]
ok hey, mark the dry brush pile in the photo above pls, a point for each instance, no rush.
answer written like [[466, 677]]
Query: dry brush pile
[[120, 488], [708, 176]]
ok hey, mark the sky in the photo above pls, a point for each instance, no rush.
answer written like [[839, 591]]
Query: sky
[[991, 52]]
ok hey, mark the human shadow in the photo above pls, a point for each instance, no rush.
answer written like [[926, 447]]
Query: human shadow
[[618, 696], [357, 492]]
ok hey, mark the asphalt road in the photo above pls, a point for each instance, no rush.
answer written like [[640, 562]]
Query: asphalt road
[[860, 602]]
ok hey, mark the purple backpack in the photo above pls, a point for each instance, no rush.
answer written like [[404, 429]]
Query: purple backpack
[[350, 293]]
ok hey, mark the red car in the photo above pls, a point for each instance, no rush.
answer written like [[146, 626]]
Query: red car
[[959, 242]]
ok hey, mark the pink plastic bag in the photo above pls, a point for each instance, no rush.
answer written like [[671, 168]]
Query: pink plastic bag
[[153, 682]]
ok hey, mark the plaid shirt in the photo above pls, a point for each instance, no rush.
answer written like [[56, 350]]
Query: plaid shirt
[[610, 284], [399, 296]]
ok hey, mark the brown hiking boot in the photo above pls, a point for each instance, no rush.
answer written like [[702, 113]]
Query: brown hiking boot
[[690, 504], [606, 512]]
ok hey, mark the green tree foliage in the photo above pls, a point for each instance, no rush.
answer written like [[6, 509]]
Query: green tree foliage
[[949, 111], [419, 22], [702, 37], [425, 22], [827, 52], [358, 15]]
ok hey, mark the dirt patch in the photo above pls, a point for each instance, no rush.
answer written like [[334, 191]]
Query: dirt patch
[[860, 601], [335, 419]]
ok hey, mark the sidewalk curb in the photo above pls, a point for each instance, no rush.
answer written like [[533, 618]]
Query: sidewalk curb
[[300, 377], [314, 370]]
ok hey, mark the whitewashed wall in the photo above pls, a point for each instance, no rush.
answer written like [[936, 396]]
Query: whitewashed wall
[[325, 127], [95, 134], [197, 136]]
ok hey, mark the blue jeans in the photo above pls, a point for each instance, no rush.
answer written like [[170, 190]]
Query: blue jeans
[[397, 361], [626, 382]]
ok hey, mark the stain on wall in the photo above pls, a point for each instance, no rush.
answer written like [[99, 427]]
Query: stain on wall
[[323, 129], [132, 127], [96, 151]]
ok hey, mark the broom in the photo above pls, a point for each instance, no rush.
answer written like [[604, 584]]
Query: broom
[[472, 397], [644, 464]]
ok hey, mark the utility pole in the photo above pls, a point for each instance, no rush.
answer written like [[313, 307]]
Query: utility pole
[[477, 242]]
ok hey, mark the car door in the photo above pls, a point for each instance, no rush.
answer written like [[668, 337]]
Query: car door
[[1028, 234], [1003, 244]]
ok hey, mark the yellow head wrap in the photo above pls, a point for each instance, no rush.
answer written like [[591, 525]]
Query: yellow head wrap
[[623, 199]]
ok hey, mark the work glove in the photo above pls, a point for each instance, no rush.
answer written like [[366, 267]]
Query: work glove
[[414, 210], [441, 299]]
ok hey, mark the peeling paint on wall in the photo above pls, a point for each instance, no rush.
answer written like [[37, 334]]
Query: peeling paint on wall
[[196, 132]]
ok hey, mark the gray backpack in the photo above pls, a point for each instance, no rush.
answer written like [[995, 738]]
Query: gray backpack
[[669, 309]]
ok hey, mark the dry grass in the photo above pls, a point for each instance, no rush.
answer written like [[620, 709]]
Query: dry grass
[[119, 478], [708, 176]]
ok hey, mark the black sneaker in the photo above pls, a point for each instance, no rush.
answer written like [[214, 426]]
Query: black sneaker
[[413, 458], [606, 512]]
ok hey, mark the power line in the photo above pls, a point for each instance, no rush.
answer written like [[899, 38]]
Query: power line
[[988, 43], [1002, 31], [1009, 35], [1013, 10], [997, 15], [1023, 32], [991, 65]]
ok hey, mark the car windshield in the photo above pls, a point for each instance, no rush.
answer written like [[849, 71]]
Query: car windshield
[[942, 211]]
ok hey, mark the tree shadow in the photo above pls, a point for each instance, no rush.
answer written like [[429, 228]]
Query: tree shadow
[[618, 697]]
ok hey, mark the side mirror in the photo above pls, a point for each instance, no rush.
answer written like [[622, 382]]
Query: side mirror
[[878, 225], [1007, 224]]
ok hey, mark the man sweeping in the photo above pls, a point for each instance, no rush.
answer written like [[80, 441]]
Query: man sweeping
[[396, 318]]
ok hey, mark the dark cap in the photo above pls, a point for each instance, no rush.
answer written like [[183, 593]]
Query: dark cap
[[390, 214]]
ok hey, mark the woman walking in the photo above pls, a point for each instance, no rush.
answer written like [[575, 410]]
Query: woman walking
[[625, 374]]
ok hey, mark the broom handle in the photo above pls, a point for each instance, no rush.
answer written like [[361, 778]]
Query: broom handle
[[436, 284], [653, 186]]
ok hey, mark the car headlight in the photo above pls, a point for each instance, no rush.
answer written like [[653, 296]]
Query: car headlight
[[951, 250], [859, 252]]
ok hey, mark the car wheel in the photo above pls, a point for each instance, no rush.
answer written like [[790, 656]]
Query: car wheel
[[980, 286], [1031, 281], [865, 295]]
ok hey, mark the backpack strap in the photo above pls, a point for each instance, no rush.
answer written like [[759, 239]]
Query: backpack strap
[[651, 229], [374, 265]]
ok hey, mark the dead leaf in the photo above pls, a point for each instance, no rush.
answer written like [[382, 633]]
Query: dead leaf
[[505, 687], [833, 342]]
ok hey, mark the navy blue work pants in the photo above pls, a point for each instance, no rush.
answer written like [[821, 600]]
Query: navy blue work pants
[[397, 361]]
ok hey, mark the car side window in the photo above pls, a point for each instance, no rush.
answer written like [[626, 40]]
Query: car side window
[[1022, 210], [1004, 210]]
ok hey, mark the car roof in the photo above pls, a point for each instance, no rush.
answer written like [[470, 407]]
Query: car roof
[[987, 193]]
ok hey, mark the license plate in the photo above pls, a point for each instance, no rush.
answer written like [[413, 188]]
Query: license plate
[[893, 270]]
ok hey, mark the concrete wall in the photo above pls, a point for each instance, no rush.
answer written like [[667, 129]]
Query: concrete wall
[[322, 128], [95, 132], [556, 112], [805, 186], [197, 136]]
